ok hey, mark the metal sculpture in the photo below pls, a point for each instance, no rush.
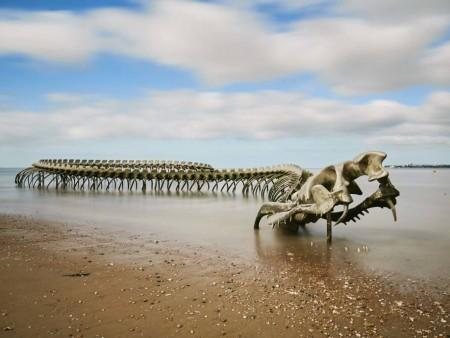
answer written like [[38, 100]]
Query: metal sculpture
[[296, 196]]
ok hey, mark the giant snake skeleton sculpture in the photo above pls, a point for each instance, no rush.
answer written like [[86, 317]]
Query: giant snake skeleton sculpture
[[296, 196]]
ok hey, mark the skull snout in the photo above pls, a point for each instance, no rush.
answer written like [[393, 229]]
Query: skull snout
[[376, 173], [374, 167]]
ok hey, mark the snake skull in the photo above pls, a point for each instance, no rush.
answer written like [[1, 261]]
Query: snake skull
[[334, 186]]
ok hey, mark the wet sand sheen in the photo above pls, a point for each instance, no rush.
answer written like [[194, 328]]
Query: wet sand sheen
[[417, 246], [76, 280]]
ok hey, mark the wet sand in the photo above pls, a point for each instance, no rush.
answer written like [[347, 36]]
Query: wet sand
[[70, 280]]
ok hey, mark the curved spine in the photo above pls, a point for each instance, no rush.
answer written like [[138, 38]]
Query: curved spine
[[277, 182]]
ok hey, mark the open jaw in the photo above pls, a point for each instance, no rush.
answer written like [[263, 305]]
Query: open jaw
[[330, 188], [298, 215], [384, 197]]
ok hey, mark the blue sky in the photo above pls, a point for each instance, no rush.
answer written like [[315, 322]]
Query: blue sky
[[232, 83]]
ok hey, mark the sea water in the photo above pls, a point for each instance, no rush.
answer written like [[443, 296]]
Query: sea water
[[416, 246]]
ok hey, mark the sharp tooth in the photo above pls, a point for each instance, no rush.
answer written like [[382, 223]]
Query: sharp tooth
[[344, 213], [392, 207]]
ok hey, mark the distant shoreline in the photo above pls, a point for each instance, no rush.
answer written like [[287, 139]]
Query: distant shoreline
[[419, 166]]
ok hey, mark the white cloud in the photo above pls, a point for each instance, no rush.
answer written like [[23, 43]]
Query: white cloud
[[435, 66], [216, 115], [388, 10], [280, 5], [355, 52], [51, 36]]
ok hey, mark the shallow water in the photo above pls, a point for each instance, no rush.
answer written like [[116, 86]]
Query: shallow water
[[416, 246]]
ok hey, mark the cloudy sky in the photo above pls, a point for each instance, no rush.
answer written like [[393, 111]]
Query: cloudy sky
[[231, 83]]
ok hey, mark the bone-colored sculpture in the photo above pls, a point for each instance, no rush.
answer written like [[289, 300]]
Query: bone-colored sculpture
[[296, 196]]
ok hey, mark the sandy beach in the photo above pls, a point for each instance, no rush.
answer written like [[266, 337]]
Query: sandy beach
[[71, 281]]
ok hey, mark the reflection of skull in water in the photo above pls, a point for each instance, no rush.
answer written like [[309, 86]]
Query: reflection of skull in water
[[331, 187]]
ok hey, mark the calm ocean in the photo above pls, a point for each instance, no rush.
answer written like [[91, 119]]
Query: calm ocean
[[416, 246]]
